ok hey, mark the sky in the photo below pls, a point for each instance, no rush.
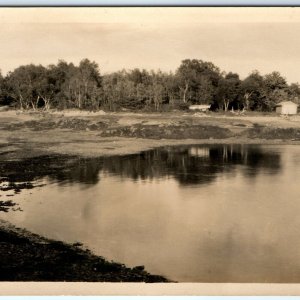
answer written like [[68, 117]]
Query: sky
[[235, 39]]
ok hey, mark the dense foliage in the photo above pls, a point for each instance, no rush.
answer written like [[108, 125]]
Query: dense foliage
[[65, 85]]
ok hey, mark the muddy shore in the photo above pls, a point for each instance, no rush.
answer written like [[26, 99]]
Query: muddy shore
[[31, 136], [29, 257]]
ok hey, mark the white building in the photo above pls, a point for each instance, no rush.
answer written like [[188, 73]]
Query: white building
[[200, 107], [287, 108]]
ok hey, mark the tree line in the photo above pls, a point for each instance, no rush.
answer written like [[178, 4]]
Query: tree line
[[65, 85]]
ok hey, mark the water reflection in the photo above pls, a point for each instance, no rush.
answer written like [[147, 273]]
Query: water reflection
[[188, 165], [220, 213]]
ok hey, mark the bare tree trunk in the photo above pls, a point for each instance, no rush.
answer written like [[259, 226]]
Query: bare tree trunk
[[78, 95], [21, 101], [34, 105], [185, 91], [226, 104], [79, 98], [85, 92], [69, 91], [247, 102], [157, 105], [47, 104]]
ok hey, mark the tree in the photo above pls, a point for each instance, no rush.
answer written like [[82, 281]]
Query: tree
[[65, 85], [89, 82], [186, 75], [45, 89], [171, 88], [31, 86], [294, 92], [251, 90], [2, 88], [275, 81], [197, 78], [75, 86], [274, 90], [20, 86], [61, 76], [109, 93], [228, 90]]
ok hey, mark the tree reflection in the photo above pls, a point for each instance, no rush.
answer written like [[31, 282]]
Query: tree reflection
[[193, 165], [187, 164]]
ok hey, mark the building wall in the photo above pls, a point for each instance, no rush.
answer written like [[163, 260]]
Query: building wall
[[288, 109], [199, 107]]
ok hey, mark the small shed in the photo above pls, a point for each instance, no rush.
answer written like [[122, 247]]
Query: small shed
[[287, 108], [200, 107]]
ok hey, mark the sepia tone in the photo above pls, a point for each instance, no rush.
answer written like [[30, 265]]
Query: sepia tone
[[150, 145]]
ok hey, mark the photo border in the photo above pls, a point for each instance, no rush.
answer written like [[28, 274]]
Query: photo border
[[45, 289]]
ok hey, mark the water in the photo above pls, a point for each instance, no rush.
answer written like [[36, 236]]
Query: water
[[227, 213]]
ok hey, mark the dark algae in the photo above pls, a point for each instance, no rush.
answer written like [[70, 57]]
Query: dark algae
[[28, 257]]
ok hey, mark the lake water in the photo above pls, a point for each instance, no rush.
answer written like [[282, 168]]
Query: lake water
[[218, 213]]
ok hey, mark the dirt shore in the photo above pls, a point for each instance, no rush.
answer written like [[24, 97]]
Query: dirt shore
[[29, 257], [26, 135]]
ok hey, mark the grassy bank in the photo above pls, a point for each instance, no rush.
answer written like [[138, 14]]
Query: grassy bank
[[86, 134]]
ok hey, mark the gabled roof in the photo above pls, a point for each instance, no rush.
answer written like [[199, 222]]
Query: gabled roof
[[286, 103]]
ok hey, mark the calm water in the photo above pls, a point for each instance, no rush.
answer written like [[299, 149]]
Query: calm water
[[192, 214]]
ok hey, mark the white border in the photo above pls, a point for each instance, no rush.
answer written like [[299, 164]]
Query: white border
[[149, 3]]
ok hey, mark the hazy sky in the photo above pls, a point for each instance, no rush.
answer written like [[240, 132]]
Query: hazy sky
[[235, 39]]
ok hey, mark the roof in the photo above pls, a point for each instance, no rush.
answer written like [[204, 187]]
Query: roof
[[286, 103]]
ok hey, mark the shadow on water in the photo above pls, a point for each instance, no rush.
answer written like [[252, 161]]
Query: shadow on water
[[189, 165], [194, 164]]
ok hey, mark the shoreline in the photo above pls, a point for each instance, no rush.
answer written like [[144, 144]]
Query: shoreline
[[29, 136], [89, 135], [29, 257], [112, 146]]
